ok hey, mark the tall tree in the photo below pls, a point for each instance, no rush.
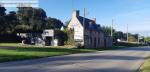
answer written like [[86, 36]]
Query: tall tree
[[24, 14], [2, 11], [53, 23], [132, 38], [31, 18], [147, 39], [2, 19], [119, 35], [38, 20], [11, 22], [107, 30]]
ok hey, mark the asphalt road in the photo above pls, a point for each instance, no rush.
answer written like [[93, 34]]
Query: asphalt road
[[124, 60]]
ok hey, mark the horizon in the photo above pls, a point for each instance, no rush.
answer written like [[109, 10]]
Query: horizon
[[135, 13]]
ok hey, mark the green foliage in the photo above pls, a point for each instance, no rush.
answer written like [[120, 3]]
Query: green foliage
[[27, 19], [70, 35], [107, 30], [53, 23], [132, 38], [61, 36], [11, 22], [119, 35], [7, 21], [147, 39], [146, 66], [2, 11], [31, 18], [2, 19]]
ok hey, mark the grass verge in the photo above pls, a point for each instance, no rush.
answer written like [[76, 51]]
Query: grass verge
[[15, 52], [21, 53], [146, 66]]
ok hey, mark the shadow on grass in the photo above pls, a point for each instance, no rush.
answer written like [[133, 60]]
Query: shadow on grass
[[71, 59], [37, 49], [109, 48], [23, 53], [14, 54], [6, 58]]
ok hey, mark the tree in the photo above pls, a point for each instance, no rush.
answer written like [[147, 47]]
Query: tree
[[132, 38], [147, 39], [53, 23], [24, 14], [61, 36], [2, 11], [70, 37], [2, 19], [119, 35], [107, 30], [33, 19], [136, 36], [141, 39], [38, 20], [11, 22]]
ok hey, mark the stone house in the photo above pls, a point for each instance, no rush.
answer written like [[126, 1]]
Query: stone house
[[87, 32]]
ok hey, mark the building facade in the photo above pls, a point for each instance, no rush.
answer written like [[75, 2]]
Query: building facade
[[87, 32], [45, 38]]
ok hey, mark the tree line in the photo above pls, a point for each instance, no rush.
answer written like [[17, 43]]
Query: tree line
[[121, 35], [26, 19]]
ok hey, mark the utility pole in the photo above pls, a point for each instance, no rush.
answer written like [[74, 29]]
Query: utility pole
[[112, 28], [127, 34], [84, 20], [138, 39], [72, 5]]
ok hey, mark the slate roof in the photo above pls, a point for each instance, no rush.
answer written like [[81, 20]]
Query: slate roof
[[89, 24]]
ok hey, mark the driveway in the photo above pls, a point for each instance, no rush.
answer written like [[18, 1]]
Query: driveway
[[124, 60]]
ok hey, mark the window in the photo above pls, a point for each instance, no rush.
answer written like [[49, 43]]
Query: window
[[91, 40], [95, 42]]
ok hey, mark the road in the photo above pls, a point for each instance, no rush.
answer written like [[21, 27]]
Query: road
[[124, 60]]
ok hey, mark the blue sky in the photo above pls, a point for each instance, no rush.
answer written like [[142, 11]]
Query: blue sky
[[135, 13]]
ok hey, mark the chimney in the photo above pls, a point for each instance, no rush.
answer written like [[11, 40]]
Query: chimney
[[94, 19], [75, 13]]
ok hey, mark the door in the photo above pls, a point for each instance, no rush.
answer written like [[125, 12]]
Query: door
[[48, 41]]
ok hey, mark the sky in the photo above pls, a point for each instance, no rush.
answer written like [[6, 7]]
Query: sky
[[135, 13]]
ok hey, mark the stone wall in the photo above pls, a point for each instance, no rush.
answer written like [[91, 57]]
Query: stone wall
[[108, 41], [94, 39]]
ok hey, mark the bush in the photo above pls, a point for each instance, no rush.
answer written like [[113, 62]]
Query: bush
[[9, 38], [70, 37]]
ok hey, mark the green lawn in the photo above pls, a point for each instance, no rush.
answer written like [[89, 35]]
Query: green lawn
[[20, 52], [9, 44], [146, 66]]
